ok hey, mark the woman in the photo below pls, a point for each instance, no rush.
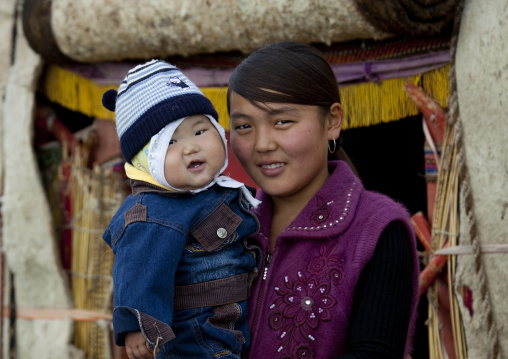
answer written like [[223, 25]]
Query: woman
[[339, 275]]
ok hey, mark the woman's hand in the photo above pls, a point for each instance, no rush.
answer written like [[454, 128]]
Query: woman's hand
[[137, 346]]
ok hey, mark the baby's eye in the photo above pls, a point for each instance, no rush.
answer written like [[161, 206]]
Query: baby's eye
[[172, 142], [200, 132]]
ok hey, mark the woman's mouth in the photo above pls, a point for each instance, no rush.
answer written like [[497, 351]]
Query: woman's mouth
[[273, 165], [272, 169]]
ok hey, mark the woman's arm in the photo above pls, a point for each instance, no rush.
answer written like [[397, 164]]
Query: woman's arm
[[381, 310]]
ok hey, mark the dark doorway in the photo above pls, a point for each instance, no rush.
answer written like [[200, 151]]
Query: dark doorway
[[390, 159]]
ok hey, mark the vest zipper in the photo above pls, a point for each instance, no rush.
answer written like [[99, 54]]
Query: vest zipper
[[260, 300], [268, 259]]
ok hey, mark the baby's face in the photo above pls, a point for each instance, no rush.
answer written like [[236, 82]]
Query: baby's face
[[195, 154]]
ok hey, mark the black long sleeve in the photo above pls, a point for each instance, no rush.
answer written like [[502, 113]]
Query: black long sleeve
[[381, 310]]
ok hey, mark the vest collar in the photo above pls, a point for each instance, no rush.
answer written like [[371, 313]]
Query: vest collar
[[328, 213]]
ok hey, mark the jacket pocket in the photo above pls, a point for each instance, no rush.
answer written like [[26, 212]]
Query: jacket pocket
[[216, 228]]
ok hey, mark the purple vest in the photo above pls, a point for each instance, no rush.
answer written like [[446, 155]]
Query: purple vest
[[301, 302]]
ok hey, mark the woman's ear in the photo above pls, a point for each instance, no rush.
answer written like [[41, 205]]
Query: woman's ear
[[334, 120]]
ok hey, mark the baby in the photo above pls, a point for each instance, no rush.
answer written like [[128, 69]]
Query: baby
[[182, 270]]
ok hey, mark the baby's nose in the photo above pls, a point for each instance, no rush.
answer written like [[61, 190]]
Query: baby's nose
[[190, 148]]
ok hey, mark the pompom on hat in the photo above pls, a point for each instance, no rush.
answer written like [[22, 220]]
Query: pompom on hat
[[151, 96]]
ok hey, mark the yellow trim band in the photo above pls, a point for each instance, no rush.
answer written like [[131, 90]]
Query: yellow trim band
[[365, 104]]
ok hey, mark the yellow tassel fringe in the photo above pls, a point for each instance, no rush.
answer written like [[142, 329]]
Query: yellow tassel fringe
[[364, 104]]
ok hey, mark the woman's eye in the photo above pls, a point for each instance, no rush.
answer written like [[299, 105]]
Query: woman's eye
[[282, 122], [242, 127]]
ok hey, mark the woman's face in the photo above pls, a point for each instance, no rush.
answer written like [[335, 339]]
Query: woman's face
[[282, 147]]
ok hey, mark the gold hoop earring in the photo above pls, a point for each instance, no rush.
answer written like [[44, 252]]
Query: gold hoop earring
[[334, 146]]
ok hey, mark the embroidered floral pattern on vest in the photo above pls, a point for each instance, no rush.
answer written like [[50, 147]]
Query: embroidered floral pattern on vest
[[303, 303], [321, 214]]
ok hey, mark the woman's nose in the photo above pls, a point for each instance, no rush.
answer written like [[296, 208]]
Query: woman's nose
[[265, 141]]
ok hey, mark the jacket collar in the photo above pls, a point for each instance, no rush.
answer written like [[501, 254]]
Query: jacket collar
[[145, 187]]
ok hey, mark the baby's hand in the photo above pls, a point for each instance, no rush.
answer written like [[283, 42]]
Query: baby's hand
[[137, 346]]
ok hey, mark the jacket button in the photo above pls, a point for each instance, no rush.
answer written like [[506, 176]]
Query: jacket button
[[222, 233]]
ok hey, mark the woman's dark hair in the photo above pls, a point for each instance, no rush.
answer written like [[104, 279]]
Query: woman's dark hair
[[287, 72]]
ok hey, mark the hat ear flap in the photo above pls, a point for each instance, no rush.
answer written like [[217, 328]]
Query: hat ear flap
[[109, 99]]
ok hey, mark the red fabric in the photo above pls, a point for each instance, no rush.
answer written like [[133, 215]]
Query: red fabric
[[235, 169]]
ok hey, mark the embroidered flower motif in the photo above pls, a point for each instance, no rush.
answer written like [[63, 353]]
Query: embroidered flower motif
[[304, 302], [303, 351], [335, 274], [322, 213], [316, 266], [276, 320]]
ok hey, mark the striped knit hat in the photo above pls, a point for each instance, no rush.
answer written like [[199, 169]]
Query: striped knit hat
[[153, 95]]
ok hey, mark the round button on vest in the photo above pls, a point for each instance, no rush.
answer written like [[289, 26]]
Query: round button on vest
[[222, 233]]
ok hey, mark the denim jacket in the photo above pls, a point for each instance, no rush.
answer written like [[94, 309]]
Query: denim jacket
[[178, 252]]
